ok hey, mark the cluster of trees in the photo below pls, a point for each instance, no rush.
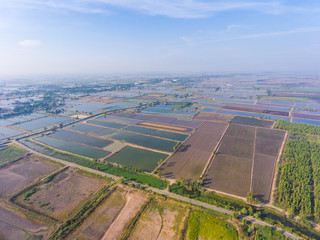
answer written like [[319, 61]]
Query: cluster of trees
[[295, 185], [315, 159], [298, 127], [299, 185]]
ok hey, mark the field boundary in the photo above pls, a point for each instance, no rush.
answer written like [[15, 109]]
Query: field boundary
[[253, 159], [276, 172], [213, 154]]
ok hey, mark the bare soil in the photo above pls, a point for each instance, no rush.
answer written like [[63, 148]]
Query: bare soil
[[101, 219], [14, 226], [63, 195], [134, 200], [189, 161], [230, 174], [19, 174]]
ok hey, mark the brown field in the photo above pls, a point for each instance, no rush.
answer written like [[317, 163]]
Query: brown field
[[16, 227], [162, 220], [213, 116], [263, 170], [230, 174], [231, 168], [60, 197], [236, 130], [252, 121], [101, 219], [21, 173], [307, 116], [176, 122], [163, 126], [256, 110], [189, 161], [276, 135], [237, 146], [267, 146], [134, 201]]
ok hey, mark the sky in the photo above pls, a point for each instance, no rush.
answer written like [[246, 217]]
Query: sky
[[132, 36]]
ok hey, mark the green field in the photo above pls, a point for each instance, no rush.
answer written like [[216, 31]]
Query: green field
[[145, 141], [205, 226], [73, 147], [137, 158], [11, 153]]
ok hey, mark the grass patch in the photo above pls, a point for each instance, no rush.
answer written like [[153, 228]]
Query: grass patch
[[205, 226]]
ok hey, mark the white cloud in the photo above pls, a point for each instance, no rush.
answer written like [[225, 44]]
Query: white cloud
[[169, 8], [30, 43], [279, 33]]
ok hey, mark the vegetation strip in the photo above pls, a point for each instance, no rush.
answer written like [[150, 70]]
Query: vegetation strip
[[70, 225]]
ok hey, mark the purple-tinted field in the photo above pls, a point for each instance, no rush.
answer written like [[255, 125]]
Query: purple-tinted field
[[189, 161], [242, 148], [230, 174]]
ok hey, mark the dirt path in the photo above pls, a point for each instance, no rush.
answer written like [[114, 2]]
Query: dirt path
[[134, 200], [253, 154]]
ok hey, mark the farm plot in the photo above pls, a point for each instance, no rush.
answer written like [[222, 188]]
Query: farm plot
[[13, 226], [101, 219], [205, 226], [252, 121], [81, 138], [230, 174], [107, 124], [21, 173], [33, 125], [61, 196], [213, 116], [121, 120], [9, 132], [158, 133], [85, 128], [255, 110], [137, 158], [134, 200], [10, 154], [144, 141], [189, 161], [245, 150], [162, 220], [75, 148]]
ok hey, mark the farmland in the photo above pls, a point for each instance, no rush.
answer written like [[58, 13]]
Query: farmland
[[61, 196], [137, 158], [252, 121], [14, 226], [245, 161], [75, 148], [21, 173], [189, 161], [205, 226], [144, 141], [100, 221]]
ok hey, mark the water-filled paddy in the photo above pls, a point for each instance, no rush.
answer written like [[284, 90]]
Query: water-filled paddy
[[10, 132], [107, 124], [33, 125], [137, 158], [75, 148], [145, 141], [81, 138]]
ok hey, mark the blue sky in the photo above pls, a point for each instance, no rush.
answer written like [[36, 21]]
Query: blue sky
[[123, 36]]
